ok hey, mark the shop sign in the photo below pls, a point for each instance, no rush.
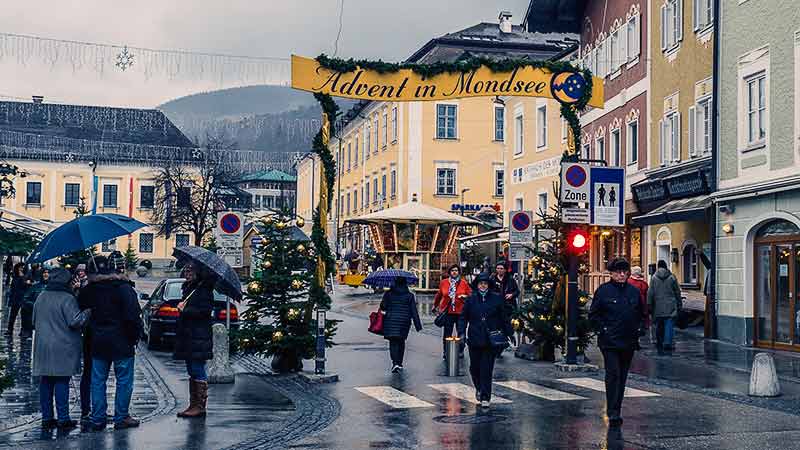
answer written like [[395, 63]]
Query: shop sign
[[686, 185], [650, 192], [473, 207], [541, 169]]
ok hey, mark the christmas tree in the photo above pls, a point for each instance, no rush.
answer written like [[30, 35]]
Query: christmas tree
[[279, 320], [69, 261], [131, 259], [542, 318]]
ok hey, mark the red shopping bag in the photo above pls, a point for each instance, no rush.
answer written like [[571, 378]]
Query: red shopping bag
[[376, 323]]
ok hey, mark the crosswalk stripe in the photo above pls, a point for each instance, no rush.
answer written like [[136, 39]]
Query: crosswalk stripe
[[464, 392], [597, 385], [539, 391], [393, 397]]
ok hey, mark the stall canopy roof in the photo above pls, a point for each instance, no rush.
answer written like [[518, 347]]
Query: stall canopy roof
[[413, 212], [499, 235], [676, 211]]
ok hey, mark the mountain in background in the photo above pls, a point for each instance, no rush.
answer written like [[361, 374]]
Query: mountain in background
[[250, 100]]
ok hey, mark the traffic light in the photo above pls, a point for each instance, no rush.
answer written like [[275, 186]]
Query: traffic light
[[578, 241]]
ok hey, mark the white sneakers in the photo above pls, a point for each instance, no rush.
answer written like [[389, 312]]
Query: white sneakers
[[397, 369], [485, 404]]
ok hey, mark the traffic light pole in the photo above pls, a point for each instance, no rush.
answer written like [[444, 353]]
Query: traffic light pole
[[572, 309]]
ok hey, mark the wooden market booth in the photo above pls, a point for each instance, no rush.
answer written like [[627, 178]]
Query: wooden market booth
[[415, 237]]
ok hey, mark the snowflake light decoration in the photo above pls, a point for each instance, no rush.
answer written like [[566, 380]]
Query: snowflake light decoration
[[197, 153], [125, 59], [69, 157]]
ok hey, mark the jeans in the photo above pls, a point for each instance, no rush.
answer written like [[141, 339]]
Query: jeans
[[481, 367], [449, 328], [665, 332], [397, 348], [58, 387], [123, 372], [617, 362], [196, 368], [86, 378]]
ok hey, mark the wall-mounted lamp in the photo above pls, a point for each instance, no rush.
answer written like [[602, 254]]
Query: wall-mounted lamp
[[727, 228], [675, 255]]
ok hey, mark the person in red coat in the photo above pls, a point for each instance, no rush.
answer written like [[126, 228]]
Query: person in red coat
[[450, 297], [638, 281]]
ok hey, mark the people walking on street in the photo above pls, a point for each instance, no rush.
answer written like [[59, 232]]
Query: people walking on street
[[40, 278], [484, 313], [400, 308], [193, 338], [57, 348], [19, 285], [638, 281], [115, 328], [617, 314], [506, 286], [79, 281], [453, 292], [664, 299]]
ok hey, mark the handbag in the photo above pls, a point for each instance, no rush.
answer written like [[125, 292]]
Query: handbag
[[682, 321], [376, 323], [498, 339], [441, 318]]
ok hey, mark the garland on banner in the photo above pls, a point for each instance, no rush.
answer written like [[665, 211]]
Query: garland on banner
[[569, 111]]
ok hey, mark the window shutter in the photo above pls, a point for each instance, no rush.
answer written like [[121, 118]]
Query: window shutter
[[679, 5], [637, 31], [696, 13], [693, 134], [661, 142], [711, 121], [623, 44], [676, 149], [663, 27]]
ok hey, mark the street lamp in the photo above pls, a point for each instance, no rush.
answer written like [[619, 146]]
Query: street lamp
[[462, 199]]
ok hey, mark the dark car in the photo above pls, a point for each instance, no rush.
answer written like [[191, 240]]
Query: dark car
[[160, 312]]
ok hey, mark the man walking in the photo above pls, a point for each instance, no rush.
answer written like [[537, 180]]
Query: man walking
[[616, 314], [115, 327], [664, 298], [506, 286]]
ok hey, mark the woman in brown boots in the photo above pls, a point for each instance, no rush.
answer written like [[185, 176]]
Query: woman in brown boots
[[193, 338]]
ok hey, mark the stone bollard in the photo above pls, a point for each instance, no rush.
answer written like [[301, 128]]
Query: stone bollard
[[220, 371], [763, 377]]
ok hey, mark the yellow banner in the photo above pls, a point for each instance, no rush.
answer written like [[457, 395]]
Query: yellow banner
[[406, 86]]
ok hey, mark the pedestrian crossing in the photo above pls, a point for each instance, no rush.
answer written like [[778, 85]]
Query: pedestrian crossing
[[397, 399]]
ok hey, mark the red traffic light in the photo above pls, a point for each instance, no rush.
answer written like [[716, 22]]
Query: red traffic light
[[578, 241]]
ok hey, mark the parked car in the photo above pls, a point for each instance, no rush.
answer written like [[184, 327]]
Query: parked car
[[160, 312]]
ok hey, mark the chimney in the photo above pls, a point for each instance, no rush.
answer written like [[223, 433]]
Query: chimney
[[505, 22], [38, 99]]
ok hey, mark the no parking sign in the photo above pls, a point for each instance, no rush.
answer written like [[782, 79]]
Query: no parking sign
[[521, 229]]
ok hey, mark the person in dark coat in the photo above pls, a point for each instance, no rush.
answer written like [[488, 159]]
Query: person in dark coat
[[617, 315], [399, 308], [41, 276], [483, 312], [664, 299], [115, 328], [19, 285], [193, 338], [506, 286]]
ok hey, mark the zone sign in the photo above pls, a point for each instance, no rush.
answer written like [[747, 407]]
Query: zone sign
[[575, 184]]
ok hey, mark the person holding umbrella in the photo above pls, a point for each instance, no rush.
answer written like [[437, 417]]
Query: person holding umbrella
[[399, 308]]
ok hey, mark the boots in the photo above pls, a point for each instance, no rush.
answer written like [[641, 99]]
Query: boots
[[198, 392]]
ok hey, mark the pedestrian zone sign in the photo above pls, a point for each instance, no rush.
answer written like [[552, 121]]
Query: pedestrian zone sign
[[608, 196], [520, 230]]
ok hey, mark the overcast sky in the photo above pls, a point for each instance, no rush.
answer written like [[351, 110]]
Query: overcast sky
[[372, 29]]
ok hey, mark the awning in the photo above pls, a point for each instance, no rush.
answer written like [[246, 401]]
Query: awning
[[681, 210], [413, 211]]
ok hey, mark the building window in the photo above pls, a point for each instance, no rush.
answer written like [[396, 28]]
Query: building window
[[349, 155], [499, 182], [633, 38], [700, 128], [671, 24], [587, 151], [613, 52], [633, 142], [690, 264], [385, 128], [756, 109], [383, 185], [355, 200], [355, 150], [499, 123], [616, 148], [145, 242], [348, 204], [184, 197], [108, 246], [341, 202], [601, 148], [519, 135], [375, 190], [72, 194], [394, 183], [446, 181], [33, 193], [394, 124], [377, 136], [703, 14], [181, 240], [367, 141], [542, 202], [366, 193], [518, 204], [146, 197], [446, 121], [602, 59], [110, 196], [541, 126], [670, 138]]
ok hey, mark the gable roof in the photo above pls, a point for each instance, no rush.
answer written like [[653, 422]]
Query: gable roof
[[268, 175]]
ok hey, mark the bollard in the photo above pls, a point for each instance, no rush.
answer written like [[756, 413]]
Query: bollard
[[219, 370], [453, 350], [763, 377]]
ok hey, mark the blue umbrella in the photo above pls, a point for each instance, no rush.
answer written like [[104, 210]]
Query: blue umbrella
[[385, 278], [82, 233]]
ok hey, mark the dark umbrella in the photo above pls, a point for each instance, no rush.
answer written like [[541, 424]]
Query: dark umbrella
[[385, 278], [82, 233], [227, 282]]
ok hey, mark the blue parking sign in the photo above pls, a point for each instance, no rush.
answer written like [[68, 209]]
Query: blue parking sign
[[607, 196]]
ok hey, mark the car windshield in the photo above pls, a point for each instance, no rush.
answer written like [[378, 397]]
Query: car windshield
[[173, 291]]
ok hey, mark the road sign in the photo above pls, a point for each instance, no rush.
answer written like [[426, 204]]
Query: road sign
[[521, 229], [233, 256], [575, 182], [519, 252], [229, 230], [608, 196], [575, 215]]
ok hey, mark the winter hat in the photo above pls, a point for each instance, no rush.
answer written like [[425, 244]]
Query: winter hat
[[618, 264], [636, 271]]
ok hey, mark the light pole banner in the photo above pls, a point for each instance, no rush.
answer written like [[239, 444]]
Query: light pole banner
[[406, 85]]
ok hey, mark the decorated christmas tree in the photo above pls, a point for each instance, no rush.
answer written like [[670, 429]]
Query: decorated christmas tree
[[280, 320], [542, 317], [131, 259], [71, 260]]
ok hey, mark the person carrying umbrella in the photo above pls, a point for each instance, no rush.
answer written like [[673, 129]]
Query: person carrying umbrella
[[399, 308]]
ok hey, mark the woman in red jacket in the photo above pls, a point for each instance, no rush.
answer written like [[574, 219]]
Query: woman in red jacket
[[450, 297], [638, 281]]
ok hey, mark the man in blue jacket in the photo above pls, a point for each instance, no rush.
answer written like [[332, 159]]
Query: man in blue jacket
[[617, 315]]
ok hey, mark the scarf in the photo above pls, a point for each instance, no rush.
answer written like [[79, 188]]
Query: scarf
[[483, 294], [453, 285]]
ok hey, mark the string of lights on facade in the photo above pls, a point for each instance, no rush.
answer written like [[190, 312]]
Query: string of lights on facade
[[101, 59]]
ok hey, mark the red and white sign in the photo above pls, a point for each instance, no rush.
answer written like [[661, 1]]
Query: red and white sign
[[575, 183]]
